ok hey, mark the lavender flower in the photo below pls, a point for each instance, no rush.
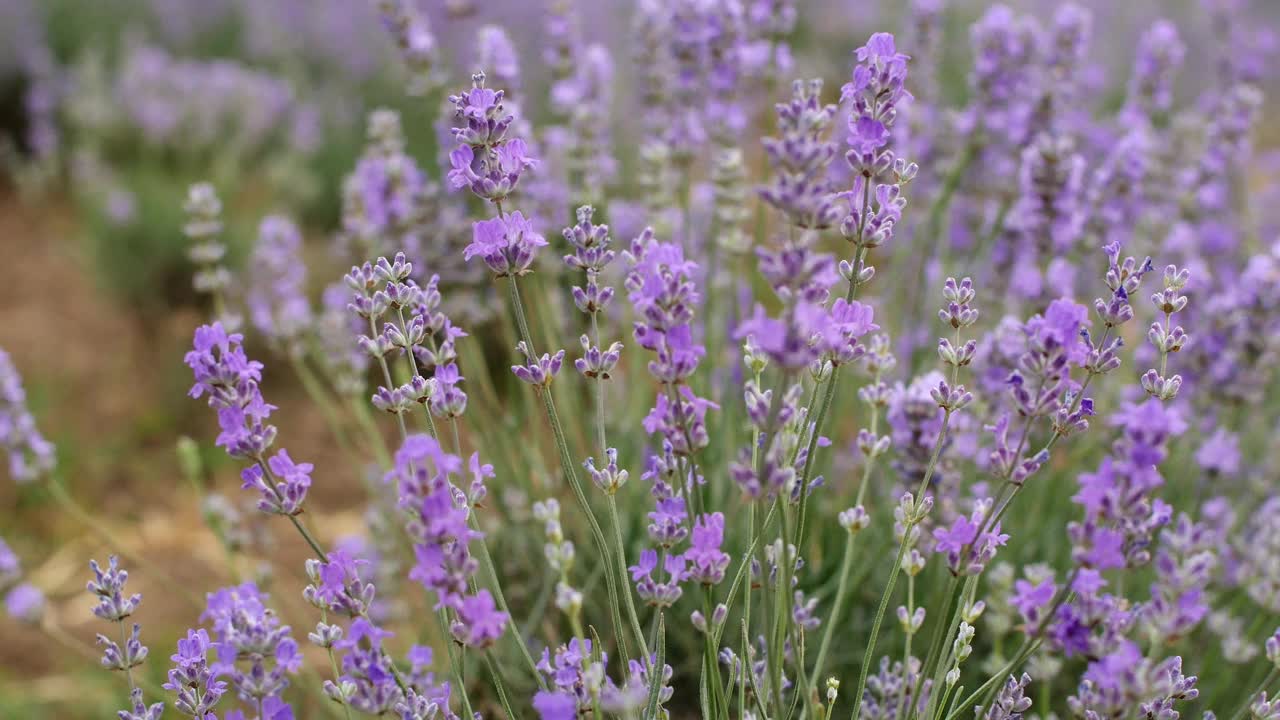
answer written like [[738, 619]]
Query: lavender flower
[[486, 160], [649, 583], [192, 677], [207, 251], [413, 36], [1011, 702], [277, 302], [878, 85], [799, 187], [506, 244], [385, 198], [224, 373], [30, 455], [140, 710], [537, 371], [22, 600], [707, 563], [1049, 213], [438, 513], [1160, 53], [245, 630], [1167, 338]]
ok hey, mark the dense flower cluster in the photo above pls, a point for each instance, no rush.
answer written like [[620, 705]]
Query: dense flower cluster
[[821, 449]]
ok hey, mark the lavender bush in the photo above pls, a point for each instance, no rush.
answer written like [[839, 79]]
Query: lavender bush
[[933, 409]]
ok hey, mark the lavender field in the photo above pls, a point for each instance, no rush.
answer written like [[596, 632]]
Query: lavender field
[[639, 359]]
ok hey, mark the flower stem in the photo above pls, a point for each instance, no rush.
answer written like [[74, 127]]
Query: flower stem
[[897, 563], [622, 563], [567, 466], [1266, 682]]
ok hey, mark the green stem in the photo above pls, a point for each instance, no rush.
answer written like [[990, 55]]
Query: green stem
[[333, 665], [932, 660], [837, 608], [570, 471], [1266, 682], [498, 686], [846, 563], [124, 655], [897, 563], [501, 599], [711, 667], [906, 650], [622, 563]]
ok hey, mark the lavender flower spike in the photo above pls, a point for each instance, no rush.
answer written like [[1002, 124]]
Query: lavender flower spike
[[230, 379], [114, 605], [30, 455], [506, 244], [486, 160]]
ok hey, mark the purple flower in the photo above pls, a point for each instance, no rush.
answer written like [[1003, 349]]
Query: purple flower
[[1030, 599], [537, 371], [30, 455], [555, 705], [449, 400], [493, 176], [799, 187], [224, 373], [139, 709], [1220, 453], [1049, 213], [967, 549], [336, 584], [198, 689], [246, 630], [506, 244], [107, 586], [479, 623], [495, 51], [366, 667], [438, 513], [277, 300], [25, 602], [283, 488], [1011, 702], [413, 37], [384, 198], [877, 86], [486, 161], [649, 588], [660, 285], [10, 566], [707, 563], [1160, 53], [682, 422]]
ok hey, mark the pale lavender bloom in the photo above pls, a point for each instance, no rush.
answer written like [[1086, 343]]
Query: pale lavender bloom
[[496, 53], [31, 457], [276, 297], [192, 677], [1011, 702], [1220, 453], [245, 629], [1160, 54], [409, 29], [800, 155], [506, 244], [1004, 47], [25, 603], [384, 199]]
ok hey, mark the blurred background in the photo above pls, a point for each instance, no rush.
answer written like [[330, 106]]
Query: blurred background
[[109, 110]]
